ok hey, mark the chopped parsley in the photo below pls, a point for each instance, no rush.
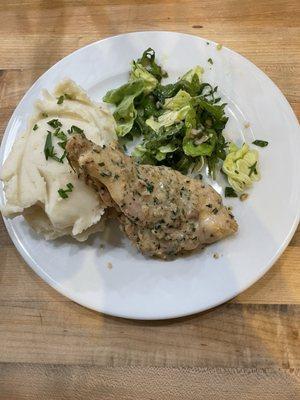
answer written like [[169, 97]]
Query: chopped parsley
[[210, 61], [49, 149], [63, 97], [253, 169], [105, 174], [64, 192], [35, 127], [75, 129], [60, 100], [54, 123], [229, 192], [62, 145], [60, 135], [45, 115], [219, 46], [260, 143], [149, 187]]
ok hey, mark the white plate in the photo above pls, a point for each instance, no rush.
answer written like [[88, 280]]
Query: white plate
[[142, 288]]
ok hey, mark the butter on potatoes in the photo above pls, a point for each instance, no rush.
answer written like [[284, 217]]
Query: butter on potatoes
[[31, 182]]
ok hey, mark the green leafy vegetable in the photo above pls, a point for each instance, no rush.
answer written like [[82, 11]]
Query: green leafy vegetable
[[140, 72], [167, 119], [193, 73], [180, 100], [180, 124], [148, 62], [240, 166], [123, 98], [35, 127], [64, 192], [260, 143]]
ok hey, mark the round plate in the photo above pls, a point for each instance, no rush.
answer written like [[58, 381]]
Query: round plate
[[143, 288]]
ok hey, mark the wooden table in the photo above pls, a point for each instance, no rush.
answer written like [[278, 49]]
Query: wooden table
[[51, 348]]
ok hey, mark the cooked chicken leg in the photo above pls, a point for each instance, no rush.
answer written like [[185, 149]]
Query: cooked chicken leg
[[162, 211]]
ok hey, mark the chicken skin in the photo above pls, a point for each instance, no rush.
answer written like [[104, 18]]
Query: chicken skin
[[163, 212]]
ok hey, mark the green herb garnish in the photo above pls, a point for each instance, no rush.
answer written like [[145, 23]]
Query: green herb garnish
[[229, 192], [210, 61], [75, 129], [260, 143], [35, 127], [60, 135], [60, 100], [49, 149], [45, 115], [150, 187], [54, 123], [219, 46], [253, 169], [63, 97], [64, 192], [148, 62]]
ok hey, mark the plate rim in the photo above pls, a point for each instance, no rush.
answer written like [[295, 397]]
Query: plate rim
[[106, 309]]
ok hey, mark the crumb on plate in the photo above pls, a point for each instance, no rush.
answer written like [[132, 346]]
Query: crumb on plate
[[244, 196], [109, 265]]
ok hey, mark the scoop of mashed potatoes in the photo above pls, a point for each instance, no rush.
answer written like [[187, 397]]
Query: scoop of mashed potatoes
[[38, 180]]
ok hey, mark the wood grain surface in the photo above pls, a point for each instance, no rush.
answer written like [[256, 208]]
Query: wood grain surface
[[52, 348]]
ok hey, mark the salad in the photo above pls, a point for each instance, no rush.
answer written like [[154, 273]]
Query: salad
[[180, 125]]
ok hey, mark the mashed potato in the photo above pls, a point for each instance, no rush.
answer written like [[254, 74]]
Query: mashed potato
[[32, 182]]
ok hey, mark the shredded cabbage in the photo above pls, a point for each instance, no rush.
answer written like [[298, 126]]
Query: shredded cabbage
[[241, 167]]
